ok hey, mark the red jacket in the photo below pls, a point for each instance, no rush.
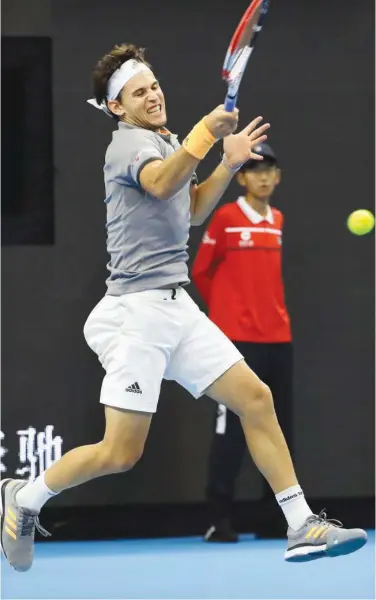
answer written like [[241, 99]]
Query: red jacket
[[238, 272]]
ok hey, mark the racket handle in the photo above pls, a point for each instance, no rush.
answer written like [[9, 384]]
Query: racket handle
[[230, 103]]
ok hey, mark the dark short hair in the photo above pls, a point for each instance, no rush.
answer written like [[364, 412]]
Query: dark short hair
[[109, 63]]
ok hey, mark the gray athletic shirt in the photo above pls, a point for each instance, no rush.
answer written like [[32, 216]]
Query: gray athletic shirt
[[147, 238]]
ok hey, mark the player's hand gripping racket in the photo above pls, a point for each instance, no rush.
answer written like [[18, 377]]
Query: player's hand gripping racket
[[241, 47]]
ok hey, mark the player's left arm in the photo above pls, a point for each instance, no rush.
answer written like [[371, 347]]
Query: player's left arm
[[238, 148]]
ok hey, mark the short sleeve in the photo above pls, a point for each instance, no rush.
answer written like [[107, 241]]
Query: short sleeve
[[129, 152], [143, 148]]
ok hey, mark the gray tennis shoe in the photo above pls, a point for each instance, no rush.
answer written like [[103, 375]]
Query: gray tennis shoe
[[320, 537], [17, 527]]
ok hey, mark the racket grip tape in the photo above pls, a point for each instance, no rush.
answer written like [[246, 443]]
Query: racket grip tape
[[230, 103], [199, 141]]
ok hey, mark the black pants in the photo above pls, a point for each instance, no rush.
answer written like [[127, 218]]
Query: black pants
[[273, 363]]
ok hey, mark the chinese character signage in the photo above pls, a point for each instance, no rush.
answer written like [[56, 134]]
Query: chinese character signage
[[37, 450]]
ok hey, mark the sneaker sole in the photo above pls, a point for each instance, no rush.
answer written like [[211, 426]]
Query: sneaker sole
[[3, 485], [347, 547], [305, 553]]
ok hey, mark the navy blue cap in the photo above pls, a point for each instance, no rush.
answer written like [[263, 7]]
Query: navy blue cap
[[265, 151]]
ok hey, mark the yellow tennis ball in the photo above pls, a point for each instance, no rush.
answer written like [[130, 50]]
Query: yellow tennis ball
[[361, 222]]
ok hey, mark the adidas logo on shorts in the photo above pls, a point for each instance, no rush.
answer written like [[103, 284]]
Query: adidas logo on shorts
[[135, 388]]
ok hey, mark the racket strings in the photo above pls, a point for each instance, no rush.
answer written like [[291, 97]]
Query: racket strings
[[238, 65], [241, 47]]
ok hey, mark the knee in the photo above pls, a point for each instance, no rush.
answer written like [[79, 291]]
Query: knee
[[257, 400], [118, 458]]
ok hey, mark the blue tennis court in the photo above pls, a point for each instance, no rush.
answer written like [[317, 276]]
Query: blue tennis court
[[187, 568]]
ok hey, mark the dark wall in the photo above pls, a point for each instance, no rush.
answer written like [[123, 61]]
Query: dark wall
[[313, 78]]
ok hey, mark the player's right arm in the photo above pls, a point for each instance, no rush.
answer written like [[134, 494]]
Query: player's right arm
[[211, 252], [163, 178]]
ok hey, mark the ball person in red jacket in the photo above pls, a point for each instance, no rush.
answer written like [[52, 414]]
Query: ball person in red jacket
[[238, 273]]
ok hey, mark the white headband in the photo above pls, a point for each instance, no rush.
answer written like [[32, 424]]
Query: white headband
[[117, 81]]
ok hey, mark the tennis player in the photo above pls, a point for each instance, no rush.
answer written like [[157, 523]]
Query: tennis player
[[147, 328]]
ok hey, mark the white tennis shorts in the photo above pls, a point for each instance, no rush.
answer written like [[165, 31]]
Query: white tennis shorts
[[144, 337]]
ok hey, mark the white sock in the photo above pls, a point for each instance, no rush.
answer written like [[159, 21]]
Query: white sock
[[34, 494], [294, 506]]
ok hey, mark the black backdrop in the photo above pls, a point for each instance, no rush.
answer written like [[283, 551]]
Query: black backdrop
[[313, 78]]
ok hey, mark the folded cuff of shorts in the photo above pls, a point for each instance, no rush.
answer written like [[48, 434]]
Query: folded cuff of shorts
[[128, 404]]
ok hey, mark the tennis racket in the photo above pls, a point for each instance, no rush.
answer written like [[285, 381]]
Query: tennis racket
[[241, 47]]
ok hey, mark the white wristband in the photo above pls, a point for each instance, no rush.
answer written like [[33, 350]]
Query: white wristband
[[232, 170]]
